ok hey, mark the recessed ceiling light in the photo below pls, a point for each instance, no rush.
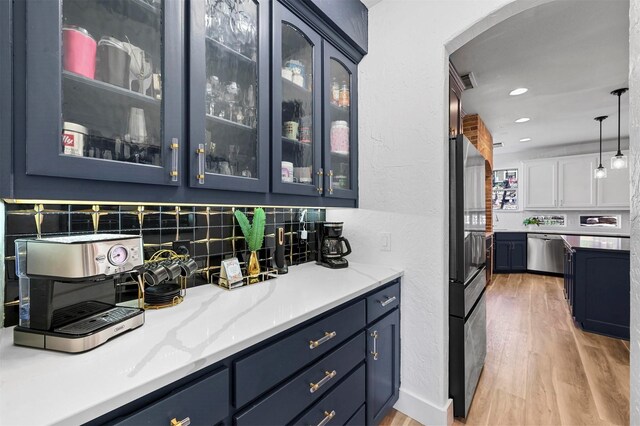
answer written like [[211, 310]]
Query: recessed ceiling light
[[518, 91], [523, 120], [525, 139]]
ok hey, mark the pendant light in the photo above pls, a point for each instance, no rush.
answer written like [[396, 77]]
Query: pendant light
[[600, 172], [619, 161]]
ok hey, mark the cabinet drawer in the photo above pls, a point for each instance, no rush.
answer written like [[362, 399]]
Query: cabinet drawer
[[284, 404], [382, 302], [359, 418], [340, 404], [204, 401], [258, 372]]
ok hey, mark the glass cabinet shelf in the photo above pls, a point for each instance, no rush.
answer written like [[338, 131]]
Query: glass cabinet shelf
[[226, 49], [106, 87]]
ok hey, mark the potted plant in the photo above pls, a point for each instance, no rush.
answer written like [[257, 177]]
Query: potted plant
[[532, 221], [254, 236]]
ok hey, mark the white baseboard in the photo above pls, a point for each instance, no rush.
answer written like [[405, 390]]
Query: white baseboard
[[422, 410]]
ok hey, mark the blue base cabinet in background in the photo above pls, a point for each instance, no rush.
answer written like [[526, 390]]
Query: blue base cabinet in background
[[340, 368], [510, 252], [600, 291]]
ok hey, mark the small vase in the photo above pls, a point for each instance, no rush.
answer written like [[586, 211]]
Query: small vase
[[253, 269]]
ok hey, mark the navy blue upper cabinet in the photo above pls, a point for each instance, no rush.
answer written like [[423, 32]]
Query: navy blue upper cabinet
[[104, 90], [340, 124], [229, 95], [314, 112], [297, 112]]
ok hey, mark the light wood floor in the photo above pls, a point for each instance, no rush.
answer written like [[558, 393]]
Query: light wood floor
[[540, 368]]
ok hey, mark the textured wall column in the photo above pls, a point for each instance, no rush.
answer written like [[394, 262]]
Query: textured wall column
[[634, 145]]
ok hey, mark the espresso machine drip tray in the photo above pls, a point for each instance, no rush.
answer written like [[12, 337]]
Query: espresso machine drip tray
[[98, 321], [82, 335]]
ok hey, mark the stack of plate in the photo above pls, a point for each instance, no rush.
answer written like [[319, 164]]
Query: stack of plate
[[161, 294]]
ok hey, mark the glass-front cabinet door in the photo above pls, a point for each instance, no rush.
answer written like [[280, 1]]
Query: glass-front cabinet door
[[296, 138], [340, 124], [104, 90], [229, 94]]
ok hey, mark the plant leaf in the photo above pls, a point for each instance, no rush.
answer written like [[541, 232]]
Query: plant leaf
[[257, 230], [244, 224]]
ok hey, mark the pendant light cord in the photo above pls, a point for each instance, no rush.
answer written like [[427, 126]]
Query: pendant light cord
[[618, 153], [600, 165]]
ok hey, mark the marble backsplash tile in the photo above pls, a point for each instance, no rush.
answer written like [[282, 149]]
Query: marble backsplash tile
[[209, 232]]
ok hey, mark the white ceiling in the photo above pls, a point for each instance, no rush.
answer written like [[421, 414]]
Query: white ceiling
[[370, 3], [570, 54]]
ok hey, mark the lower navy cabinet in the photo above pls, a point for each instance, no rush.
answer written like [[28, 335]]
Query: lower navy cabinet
[[340, 404], [204, 402], [510, 252], [383, 366], [601, 292], [335, 369]]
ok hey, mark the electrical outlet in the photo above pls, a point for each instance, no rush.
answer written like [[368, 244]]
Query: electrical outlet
[[385, 241], [180, 246]]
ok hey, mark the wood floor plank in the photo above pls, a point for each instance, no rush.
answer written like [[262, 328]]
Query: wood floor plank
[[541, 403], [541, 369]]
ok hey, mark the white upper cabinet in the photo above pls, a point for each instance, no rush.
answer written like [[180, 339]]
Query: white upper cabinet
[[614, 190], [541, 184], [576, 184], [567, 183]]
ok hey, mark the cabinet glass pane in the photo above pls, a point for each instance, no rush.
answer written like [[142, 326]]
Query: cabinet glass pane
[[297, 106], [505, 189], [231, 92], [340, 116], [112, 66]]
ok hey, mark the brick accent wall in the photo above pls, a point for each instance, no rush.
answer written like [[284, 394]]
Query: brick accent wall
[[475, 130]]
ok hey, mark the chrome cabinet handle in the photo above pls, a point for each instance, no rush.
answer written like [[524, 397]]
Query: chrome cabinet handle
[[319, 188], [184, 422], [330, 181], [200, 153], [387, 301], [327, 336], [328, 375], [374, 352], [174, 159], [327, 417]]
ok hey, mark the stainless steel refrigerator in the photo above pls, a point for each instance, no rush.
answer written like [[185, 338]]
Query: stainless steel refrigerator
[[467, 277]]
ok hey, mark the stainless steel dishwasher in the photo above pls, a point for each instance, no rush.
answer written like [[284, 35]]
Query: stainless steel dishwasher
[[545, 253]]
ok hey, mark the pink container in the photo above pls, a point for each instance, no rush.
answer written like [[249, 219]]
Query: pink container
[[339, 137], [79, 54]]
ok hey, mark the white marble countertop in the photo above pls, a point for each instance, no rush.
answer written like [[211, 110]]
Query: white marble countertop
[[40, 387], [586, 231]]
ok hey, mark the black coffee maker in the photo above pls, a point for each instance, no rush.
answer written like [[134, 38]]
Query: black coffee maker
[[332, 246]]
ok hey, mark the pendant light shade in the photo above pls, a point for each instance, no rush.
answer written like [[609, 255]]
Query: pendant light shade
[[619, 161], [600, 172]]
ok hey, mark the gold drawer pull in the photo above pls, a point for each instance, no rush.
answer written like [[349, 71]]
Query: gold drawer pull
[[328, 376], [327, 417], [327, 336], [374, 352], [184, 422], [387, 301]]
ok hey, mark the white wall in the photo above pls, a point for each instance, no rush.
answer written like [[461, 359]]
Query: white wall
[[634, 132], [403, 101]]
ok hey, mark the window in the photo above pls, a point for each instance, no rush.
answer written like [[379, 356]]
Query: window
[[505, 189], [600, 221]]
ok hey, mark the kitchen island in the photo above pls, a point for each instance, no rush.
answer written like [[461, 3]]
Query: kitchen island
[[40, 387], [597, 283]]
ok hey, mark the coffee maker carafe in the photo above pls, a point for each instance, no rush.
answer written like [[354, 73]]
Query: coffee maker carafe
[[332, 246]]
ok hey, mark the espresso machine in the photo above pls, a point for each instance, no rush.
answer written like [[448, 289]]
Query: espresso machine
[[68, 290], [332, 247]]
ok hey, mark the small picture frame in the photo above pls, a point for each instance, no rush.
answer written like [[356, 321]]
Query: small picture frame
[[230, 273]]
